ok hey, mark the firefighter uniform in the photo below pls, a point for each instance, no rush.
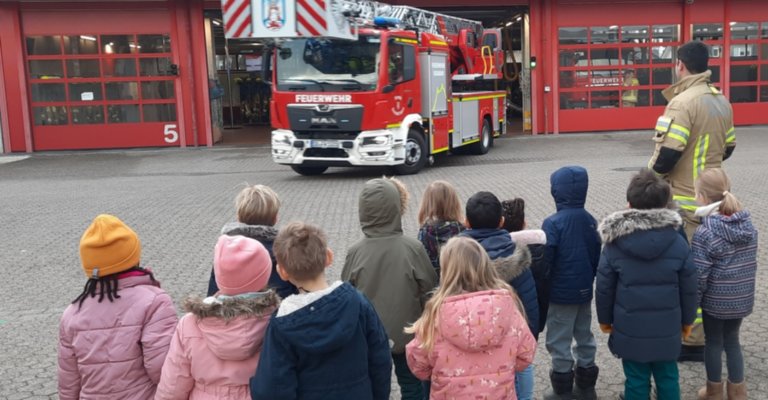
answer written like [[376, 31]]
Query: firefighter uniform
[[696, 132]]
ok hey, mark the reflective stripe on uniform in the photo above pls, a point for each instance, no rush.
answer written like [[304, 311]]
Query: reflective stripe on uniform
[[663, 123], [679, 133], [730, 136], [686, 202], [700, 155], [699, 319]]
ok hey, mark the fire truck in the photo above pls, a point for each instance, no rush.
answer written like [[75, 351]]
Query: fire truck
[[362, 83]]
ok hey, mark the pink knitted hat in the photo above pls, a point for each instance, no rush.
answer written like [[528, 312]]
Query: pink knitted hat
[[241, 265]]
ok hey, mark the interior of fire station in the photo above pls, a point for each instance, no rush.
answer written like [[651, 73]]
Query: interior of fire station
[[240, 95]]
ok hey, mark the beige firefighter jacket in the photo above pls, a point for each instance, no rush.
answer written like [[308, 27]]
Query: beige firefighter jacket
[[697, 126]]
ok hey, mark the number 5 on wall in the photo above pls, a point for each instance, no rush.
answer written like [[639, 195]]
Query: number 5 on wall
[[171, 135]]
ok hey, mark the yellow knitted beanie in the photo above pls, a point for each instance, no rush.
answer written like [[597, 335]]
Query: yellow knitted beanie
[[108, 247]]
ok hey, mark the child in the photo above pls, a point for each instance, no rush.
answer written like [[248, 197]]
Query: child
[[325, 342], [646, 288], [725, 253], [572, 252], [217, 344], [535, 240], [440, 218], [484, 220], [472, 336], [392, 270], [114, 346], [257, 208]]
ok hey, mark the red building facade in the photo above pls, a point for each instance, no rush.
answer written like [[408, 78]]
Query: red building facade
[[122, 74]]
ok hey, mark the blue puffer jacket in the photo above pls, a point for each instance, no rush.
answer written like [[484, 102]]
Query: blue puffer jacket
[[573, 245], [513, 265], [646, 284], [332, 348]]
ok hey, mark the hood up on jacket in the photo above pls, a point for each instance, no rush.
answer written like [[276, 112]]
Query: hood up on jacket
[[569, 187], [233, 328], [652, 235], [262, 233], [736, 229], [477, 321], [379, 209], [324, 325]]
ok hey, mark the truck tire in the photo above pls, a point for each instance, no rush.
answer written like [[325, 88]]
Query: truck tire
[[486, 139], [415, 154], [308, 171]]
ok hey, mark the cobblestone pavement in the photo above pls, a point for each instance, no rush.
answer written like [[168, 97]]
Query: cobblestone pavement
[[177, 200]]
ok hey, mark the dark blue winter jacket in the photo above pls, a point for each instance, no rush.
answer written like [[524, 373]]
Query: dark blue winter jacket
[[573, 245], [513, 265], [265, 235], [646, 284], [332, 348]]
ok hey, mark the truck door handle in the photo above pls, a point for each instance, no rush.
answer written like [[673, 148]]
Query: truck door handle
[[410, 102]]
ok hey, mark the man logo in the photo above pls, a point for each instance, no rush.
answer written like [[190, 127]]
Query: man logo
[[323, 121]]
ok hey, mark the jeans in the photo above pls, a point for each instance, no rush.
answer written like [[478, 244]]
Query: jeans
[[638, 384], [411, 387], [524, 383], [566, 322], [723, 334]]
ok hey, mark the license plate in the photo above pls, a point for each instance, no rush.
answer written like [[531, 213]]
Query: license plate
[[324, 144]]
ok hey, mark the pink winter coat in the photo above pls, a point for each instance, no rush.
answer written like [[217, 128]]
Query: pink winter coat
[[216, 348], [115, 350], [481, 340]]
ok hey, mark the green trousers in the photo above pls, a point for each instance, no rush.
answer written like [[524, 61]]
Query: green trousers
[[638, 384]]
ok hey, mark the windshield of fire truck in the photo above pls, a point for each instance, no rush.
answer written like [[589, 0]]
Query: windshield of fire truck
[[317, 63]]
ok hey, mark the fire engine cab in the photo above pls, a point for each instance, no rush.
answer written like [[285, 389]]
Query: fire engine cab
[[362, 83]]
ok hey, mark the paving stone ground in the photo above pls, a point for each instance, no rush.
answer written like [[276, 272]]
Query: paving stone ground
[[177, 201]]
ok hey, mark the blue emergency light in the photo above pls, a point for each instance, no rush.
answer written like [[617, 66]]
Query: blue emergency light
[[386, 22]]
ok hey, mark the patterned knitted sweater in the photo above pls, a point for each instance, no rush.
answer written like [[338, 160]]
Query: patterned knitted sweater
[[725, 253]]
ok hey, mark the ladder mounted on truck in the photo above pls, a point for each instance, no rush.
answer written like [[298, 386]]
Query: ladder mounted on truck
[[329, 18]]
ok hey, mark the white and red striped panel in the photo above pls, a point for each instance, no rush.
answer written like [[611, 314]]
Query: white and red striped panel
[[237, 18], [311, 17]]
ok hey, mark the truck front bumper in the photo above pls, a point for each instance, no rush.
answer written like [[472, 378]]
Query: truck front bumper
[[369, 148]]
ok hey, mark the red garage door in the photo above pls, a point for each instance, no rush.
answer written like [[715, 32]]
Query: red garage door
[[101, 79]]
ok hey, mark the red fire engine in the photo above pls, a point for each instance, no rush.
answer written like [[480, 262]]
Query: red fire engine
[[367, 84]]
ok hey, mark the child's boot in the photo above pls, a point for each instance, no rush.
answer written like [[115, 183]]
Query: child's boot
[[562, 386], [586, 378], [737, 391], [713, 391]]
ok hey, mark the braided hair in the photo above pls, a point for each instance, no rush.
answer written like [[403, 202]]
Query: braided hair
[[514, 214], [106, 285]]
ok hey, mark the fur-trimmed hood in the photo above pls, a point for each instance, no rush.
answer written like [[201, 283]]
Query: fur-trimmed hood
[[233, 328], [625, 222], [511, 267], [233, 307], [262, 233]]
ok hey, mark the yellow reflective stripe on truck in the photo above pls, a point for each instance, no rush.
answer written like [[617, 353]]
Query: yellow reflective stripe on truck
[[490, 96]]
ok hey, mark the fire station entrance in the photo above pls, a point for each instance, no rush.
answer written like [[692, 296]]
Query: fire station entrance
[[239, 94]]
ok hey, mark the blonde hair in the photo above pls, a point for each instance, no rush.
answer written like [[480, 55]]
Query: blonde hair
[[440, 202], [403, 190], [301, 250], [714, 185], [257, 205], [465, 268]]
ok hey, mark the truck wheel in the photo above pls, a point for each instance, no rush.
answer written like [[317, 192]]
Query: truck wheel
[[308, 171], [486, 137], [415, 154]]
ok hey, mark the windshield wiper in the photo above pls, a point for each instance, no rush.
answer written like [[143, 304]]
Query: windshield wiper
[[358, 85], [318, 83]]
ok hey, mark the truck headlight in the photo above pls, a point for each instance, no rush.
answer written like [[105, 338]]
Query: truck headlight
[[279, 138], [380, 140]]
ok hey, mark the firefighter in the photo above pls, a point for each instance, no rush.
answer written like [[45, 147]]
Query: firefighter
[[695, 132], [629, 95]]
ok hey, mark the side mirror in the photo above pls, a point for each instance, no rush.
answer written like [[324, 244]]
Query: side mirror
[[388, 89]]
